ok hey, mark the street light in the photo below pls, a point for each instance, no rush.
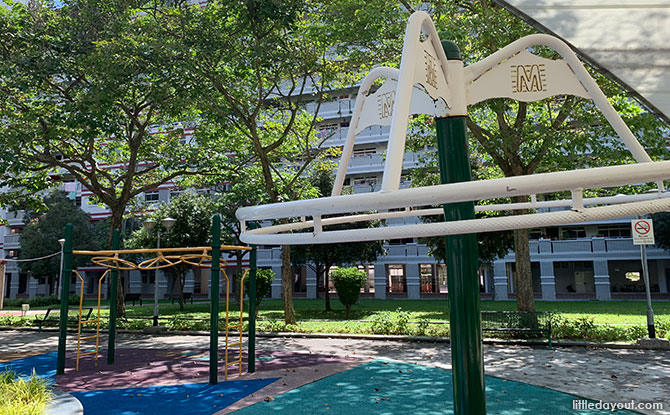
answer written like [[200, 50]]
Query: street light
[[60, 270], [149, 224]]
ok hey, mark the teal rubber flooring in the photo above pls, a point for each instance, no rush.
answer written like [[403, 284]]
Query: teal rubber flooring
[[385, 387]]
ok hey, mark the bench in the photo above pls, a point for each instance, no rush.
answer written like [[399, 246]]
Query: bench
[[187, 296], [132, 297], [517, 323], [56, 320]]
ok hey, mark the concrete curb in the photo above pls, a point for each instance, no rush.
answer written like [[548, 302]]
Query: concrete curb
[[64, 404], [381, 337]]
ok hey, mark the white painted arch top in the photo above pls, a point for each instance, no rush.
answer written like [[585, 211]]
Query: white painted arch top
[[428, 83]]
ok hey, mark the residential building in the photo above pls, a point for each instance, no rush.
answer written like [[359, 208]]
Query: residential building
[[585, 261]]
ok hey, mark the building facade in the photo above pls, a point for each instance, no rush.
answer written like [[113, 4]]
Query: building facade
[[588, 261]]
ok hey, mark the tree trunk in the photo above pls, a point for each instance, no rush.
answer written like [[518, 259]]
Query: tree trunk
[[326, 281], [347, 307], [181, 274], [524, 277], [239, 272], [287, 284], [116, 220]]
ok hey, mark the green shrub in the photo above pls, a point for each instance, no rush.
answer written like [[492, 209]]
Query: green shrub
[[264, 278], [50, 300], [348, 283], [396, 322], [23, 396]]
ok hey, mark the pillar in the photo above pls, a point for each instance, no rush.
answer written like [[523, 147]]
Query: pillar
[[134, 281], [162, 283], [189, 284], [380, 281], [547, 280], [276, 284], [601, 279], [310, 280], [32, 286], [14, 285], [413, 276], [500, 285]]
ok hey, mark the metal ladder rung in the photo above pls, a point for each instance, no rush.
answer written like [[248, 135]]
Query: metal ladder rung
[[88, 337], [234, 326], [90, 321], [234, 344], [234, 362], [87, 353]]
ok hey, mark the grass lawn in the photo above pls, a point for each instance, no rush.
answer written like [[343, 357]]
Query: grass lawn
[[603, 312]]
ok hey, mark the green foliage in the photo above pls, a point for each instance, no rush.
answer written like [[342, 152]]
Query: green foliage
[[73, 300], [394, 322], [193, 214], [348, 283], [662, 229], [43, 230], [20, 396], [84, 86], [264, 278]]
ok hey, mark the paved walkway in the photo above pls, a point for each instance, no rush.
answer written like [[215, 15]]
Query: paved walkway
[[600, 374]]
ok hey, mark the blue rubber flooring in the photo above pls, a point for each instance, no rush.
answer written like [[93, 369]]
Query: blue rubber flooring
[[392, 388], [192, 398], [43, 364]]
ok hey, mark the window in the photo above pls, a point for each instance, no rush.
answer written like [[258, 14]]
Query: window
[[364, 180], [328, 130], [396, 279], [151, 197], [614, 231], [365, 151]]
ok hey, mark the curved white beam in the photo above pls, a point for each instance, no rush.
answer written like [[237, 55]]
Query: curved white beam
[[464, 192], [499, 223]]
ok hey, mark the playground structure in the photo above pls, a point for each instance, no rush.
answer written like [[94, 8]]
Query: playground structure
[[432, 80], [205, 257]]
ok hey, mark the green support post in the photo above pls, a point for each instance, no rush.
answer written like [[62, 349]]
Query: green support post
[[64, 297], [462, 264], [214, 301], [251, 358], [113, 293]]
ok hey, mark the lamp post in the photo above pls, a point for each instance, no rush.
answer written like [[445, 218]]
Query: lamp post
[[60, 269], [149, 224]]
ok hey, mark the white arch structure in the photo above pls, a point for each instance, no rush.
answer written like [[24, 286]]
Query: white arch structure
[[429, 83]]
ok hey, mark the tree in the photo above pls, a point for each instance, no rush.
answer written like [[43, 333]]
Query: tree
[[86, 95], [510, 138], [193, 214], [264, 278], [348, 283], [322, 257], [261, 62], [662, 229], [43, 230], [245, 190]]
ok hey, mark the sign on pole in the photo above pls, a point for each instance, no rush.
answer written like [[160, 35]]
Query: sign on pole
[[643, 231]]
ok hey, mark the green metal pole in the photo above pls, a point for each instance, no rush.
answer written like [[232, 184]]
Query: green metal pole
[[113, 293], [64, 297], [462, 264], [214, 301], [252, 310]]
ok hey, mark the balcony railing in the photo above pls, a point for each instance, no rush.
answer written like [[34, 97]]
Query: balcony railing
[[12, 242], [15, 218]]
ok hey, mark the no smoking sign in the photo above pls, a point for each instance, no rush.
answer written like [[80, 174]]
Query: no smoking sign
[[643, 232]]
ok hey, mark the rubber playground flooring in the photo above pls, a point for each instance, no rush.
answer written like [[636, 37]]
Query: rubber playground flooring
[[159, 382]]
